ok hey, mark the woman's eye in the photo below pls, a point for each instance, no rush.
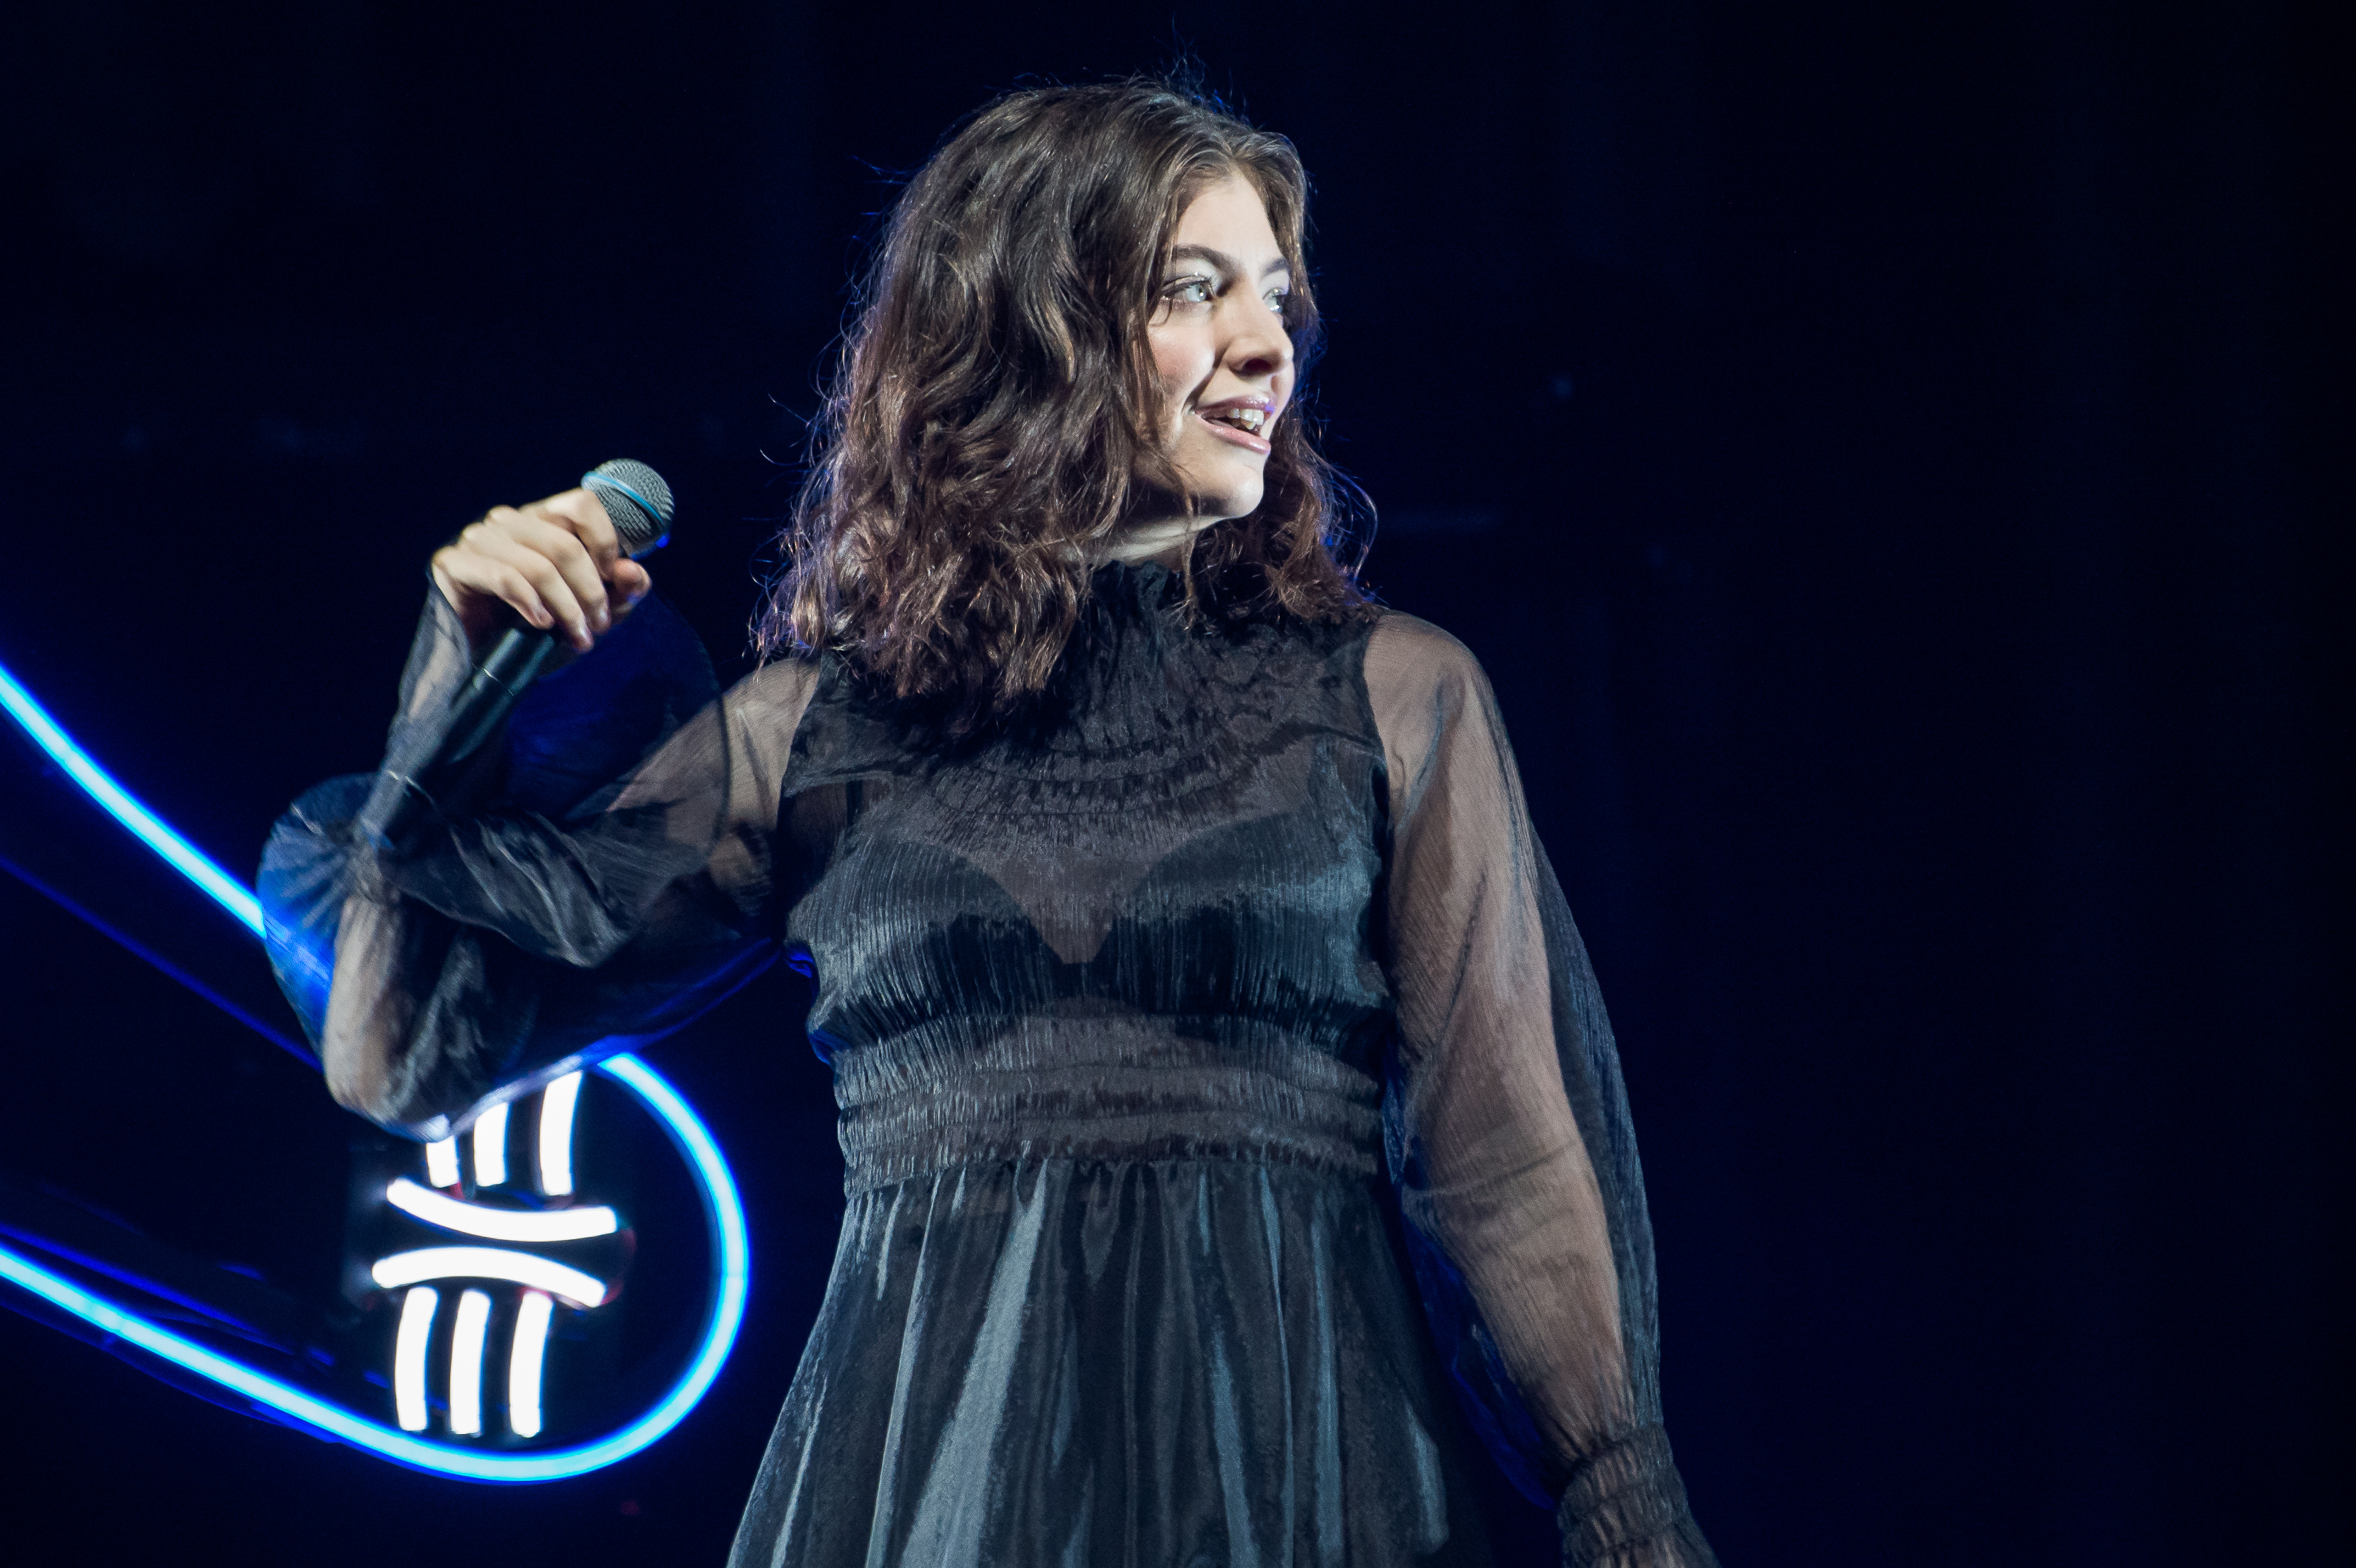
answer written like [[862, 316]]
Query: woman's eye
[[1188, 291], [1277, 299]]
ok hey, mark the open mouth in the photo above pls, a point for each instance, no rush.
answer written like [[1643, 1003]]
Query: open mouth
[[1251, 421]]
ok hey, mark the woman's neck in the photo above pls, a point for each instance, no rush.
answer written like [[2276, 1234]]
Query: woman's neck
[[1161, 540]]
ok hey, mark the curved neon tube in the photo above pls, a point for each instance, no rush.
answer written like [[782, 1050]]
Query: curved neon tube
[[500, 1224], [467, 1363], [558, 1103], [723, 1213], [409, 1356], [527, 1347], [488, 1263], [144, 823], [491, 1146]]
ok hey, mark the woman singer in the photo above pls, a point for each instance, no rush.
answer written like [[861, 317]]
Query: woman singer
[[1234, 1136]]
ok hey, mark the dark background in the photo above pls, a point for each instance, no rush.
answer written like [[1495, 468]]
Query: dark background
[[1872, 447]]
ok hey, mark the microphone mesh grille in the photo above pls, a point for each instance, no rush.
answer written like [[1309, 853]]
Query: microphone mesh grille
[[637, 499]]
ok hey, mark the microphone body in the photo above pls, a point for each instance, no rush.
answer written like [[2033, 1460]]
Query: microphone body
[[640, 505]]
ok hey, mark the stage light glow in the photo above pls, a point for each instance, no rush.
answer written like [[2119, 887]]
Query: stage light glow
[[525, 1353], [467, 1363], [409, 1356], [491, 1146], [488, 1263], [557, 1104], [500, 1224], [715, 1187], [442, 1162], [144, 823], [723, 1211]]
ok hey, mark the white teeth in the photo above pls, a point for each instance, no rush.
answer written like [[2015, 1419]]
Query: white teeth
[[1250, 420]]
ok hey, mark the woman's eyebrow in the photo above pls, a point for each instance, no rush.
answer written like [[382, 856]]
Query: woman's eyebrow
[[1222, 260]]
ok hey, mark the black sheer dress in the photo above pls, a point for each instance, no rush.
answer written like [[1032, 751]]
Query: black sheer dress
[[1234, 1136]]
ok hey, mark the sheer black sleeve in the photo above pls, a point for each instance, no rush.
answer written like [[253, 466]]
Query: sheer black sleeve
[[602, 879], [1510, 1131]]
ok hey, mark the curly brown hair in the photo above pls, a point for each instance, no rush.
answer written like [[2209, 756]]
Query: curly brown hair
[[994, 412]]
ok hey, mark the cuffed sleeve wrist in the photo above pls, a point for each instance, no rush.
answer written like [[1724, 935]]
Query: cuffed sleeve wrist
[[1625, 1507]]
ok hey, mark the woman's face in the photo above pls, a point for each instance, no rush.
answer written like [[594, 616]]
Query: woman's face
[[1220, 349]]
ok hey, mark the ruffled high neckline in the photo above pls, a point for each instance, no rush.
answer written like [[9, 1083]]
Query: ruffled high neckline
[[1128, 620], [1127, 679], [1139, 585]]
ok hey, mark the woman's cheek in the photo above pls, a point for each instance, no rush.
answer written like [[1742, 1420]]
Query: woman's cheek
[[1182, 366]]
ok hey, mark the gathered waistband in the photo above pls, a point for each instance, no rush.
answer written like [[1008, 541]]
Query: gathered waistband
[[1126, 1089]]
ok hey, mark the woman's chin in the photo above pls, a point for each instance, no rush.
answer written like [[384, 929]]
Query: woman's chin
[[1229, 501], [1226, 481]]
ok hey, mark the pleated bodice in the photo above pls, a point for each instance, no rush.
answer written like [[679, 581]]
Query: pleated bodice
[[1138, 926]]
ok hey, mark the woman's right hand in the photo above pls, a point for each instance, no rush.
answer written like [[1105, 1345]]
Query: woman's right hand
[[556, 563]]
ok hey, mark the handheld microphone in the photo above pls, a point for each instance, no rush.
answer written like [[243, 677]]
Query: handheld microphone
[[638, 504]]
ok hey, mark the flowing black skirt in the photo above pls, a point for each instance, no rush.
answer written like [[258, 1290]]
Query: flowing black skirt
[[1101, 1362]]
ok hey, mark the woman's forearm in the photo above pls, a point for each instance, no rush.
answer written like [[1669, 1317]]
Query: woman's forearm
[[370, 1010]]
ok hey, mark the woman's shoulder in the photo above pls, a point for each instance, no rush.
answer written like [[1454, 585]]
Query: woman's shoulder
[[1407, 657], [1422, 687], [772, 701], [786, 680]]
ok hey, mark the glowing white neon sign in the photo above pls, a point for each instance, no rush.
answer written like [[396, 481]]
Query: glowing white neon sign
[[489, 1262], [558, 1103], [466, 1364], [725, 1320], [526, 1350], [723, 1213], [491, 1148], [525, 1225], [409, 1356]]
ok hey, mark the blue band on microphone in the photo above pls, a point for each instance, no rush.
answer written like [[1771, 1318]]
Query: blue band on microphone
[[591, 481]]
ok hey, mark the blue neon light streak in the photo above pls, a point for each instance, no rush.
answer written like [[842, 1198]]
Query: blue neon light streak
[[124, 939], [723, 1211], [144, 823], [731, 1251]]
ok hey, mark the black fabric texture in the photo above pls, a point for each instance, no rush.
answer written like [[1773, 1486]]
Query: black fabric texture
[[1184, 1034]]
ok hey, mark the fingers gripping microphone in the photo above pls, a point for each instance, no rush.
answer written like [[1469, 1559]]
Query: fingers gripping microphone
[[638, 504]]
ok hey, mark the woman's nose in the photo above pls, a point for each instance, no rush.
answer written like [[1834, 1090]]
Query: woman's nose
[[1259, 346]]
